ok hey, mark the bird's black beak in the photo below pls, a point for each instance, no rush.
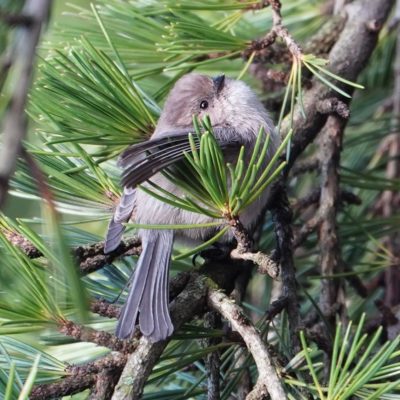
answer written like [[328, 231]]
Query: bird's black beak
[[218, 82]]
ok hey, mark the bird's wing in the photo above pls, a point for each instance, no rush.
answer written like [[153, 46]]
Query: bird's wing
[[141, 161]]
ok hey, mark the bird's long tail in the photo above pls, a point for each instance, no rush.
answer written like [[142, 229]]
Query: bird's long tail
[[148, 295]]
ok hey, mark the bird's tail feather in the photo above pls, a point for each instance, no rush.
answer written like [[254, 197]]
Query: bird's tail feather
[[148, 293]]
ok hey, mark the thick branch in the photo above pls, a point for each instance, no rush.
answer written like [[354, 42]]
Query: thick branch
[[212, 361], [268, 381], [347, 58], [330, 251], [390, 200], [101, 338], [79, 378]]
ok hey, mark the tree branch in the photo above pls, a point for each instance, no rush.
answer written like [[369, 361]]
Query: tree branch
[[282, 217], [212, 361], [15, 122], [89, 258], [16, 19], [347, 59], [313, 197], [101, 338], [105, 309], [277, 30], [243, 251], [330, 250], [105, 384], [268, 381], [79, 378], [142, 361]]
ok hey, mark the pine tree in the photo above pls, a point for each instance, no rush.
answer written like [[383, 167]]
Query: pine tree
[[306, 306]]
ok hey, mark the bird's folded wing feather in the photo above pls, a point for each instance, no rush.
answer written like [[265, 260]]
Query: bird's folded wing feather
[[141, 161]]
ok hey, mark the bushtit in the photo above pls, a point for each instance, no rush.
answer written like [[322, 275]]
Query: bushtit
[[236, 115]]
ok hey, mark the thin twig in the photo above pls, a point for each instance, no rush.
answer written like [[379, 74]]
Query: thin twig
[[277, 30], [105, 309], [282, 217], [276, 307], [17, 240], [334, 106], [313, 197], [303, 166], [306, 230], [243, 251], [266, 265], [90, 258]]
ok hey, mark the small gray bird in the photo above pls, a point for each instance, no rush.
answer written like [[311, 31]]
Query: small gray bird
[[236, 115]]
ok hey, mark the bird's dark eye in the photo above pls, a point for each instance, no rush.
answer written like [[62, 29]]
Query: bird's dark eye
[[204, 104]]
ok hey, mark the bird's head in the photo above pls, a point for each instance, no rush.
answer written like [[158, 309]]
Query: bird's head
[[228, 102]]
